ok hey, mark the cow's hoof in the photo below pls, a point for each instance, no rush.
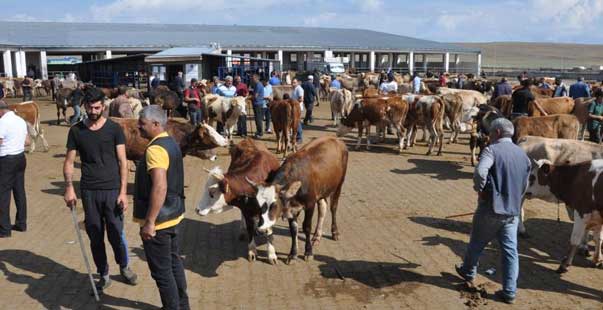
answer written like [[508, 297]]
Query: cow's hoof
[[308, 257], [336, 237], [428, 153], [251, 257], [273, 260], [562, 269], [291, 259], [315, 242]]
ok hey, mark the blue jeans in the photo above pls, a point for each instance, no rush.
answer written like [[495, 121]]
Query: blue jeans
[[258, 113], [195, 116], [76, 114], [299, 132], [488, 225]]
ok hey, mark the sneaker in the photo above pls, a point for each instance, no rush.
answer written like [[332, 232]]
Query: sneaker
[[504, 297], [129, 275], [102, 284], [269, 131], [459, 271]]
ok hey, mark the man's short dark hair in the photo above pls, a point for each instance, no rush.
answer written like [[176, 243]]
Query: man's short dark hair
[[598, 93], [526, 82], [93, 95], [122, 90]]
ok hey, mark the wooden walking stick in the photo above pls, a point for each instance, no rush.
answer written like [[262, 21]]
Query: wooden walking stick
[[459, 215]]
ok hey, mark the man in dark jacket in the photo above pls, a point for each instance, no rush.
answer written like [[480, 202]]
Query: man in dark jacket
[[521, 98], [501, 89], [500, 180], [309, 97], [579, 89]]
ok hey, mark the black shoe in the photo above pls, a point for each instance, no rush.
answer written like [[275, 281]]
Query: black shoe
[[129, 275], [19, 228], [500, 295], [101, 285], [461, 274]]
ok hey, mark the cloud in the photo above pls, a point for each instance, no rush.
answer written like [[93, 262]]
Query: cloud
[[320, 20], [24, 18], [369, 5]]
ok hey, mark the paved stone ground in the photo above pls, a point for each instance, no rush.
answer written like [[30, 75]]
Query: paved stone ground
[[397, 250]]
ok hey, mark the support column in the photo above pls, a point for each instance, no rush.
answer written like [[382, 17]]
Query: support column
[[43, 65], [279, 56], [390, 58], [229, 59], [20, 64], [411, 63], [446, 62], [457, 60], [8, 64], [108, 54], [372, 61], [479, 64], [352, 63], [23, 63], [424, 63]]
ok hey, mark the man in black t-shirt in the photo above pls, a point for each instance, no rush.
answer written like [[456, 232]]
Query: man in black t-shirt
[[100, 143], [521, 98]]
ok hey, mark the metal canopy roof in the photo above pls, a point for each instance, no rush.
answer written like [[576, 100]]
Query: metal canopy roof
[[193, 54], [57, 35]]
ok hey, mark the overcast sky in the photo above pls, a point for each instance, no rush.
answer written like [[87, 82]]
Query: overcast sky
[[572, 21]]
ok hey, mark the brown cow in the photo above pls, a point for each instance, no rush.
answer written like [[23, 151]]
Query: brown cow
[[305, 180], [557, 105], [580, 187], [222, 191], [453, 104], [279, 91], [192, 140], [504, 104], [30, 112], [541, 92], [366, 112], [562, 126], [286, 115]]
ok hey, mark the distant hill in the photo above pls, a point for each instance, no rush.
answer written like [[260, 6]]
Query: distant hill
[[538, 55]]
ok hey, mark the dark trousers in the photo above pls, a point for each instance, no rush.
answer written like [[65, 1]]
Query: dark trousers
[[102, 212], [594, 135], [12, 179], [162, 253], [27, 94], [258, 113], [309, 106], [242, 125]]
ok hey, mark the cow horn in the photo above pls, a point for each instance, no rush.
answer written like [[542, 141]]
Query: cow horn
[[218, 176], [253, 184]]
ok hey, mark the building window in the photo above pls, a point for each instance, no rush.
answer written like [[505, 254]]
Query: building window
[[364, 57], [356, 57], [293, 57]]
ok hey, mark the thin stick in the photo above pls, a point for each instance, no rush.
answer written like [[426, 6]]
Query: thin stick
[[79, 237], [460, 215]]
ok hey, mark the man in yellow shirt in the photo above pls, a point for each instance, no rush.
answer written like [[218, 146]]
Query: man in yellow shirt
[[159, 207]]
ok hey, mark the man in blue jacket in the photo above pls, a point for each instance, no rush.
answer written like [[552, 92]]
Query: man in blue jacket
[[500, 180], [502, 88], [579, 89]]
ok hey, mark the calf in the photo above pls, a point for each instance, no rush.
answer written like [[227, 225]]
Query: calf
[[30, 112], [224, 110], [563, 126], [286, 115], [366, 112], [580, 187], [453, 106], [193, 140], [62, 101], [249, 160], [306, 179], [429, 111]]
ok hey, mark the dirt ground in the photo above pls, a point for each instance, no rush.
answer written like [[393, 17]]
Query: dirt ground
[[396, 251]]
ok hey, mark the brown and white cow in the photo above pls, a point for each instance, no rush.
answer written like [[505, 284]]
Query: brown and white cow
[[224, 110], [62, 101], [341, 103], [580, 187], [306, 180], [286, 115], [223, 191], [562, 126], [30, 112], [429, 112], [193, 140]]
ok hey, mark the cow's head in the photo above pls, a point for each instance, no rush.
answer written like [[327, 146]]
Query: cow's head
[[239, 105], [275, 200], [539, 181], [212, 199], [205, 137]]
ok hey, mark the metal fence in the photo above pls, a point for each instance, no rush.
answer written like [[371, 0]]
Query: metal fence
[[542, 72]]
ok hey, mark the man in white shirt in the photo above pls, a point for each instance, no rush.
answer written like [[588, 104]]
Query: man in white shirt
[[13, 139], [389, 86], [298, 94], [416, 84]]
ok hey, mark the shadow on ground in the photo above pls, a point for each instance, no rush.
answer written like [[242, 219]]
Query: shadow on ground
[[437, 169], [56, 286]]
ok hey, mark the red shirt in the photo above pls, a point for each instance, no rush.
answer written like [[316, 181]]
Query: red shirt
[[193, 93], [242, 89]]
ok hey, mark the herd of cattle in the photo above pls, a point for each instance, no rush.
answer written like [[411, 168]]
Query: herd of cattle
[[264, 188]]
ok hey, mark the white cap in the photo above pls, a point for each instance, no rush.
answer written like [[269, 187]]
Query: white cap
[[310, 77]]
